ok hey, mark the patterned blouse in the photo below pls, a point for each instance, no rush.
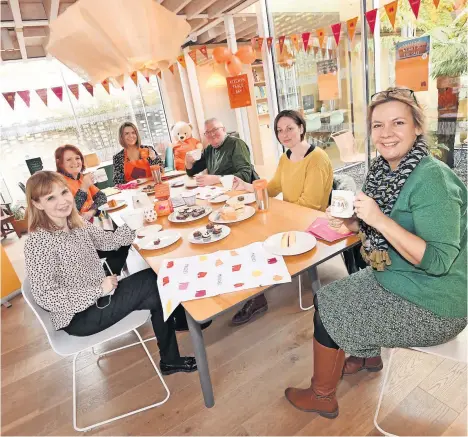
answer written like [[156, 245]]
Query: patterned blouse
[[64, 268], [119, 175]]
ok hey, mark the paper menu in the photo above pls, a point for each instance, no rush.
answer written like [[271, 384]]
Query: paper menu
[[207, 193], [217, 273]]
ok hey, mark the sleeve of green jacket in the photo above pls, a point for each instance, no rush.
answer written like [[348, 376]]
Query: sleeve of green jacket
[[241, 161], [436, 208]]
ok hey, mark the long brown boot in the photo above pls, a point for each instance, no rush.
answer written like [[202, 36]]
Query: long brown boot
[[320, 397], [355, 364]]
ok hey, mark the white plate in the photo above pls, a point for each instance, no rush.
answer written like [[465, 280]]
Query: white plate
[[166, 239], [172, 218], [248, 198], [146, 231], [106, 207], [220, 199], [248, 212], [151, 191], [304, 243], [190, 183], [225, 232]]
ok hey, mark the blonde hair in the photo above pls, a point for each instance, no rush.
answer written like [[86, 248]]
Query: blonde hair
[[41, 184], [402, 95], [121, 132]]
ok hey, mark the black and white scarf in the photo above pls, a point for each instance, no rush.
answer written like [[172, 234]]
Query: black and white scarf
[[384, 186]]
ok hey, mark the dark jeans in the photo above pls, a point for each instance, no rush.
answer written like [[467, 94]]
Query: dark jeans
[[136, 292], [115, 258]]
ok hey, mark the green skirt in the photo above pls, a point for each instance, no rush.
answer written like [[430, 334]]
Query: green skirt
[[361, 317]]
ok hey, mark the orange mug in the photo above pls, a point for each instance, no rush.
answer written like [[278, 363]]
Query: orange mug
[[144, 153]]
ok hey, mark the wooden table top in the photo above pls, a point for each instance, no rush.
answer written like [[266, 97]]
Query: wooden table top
[[280, 217]]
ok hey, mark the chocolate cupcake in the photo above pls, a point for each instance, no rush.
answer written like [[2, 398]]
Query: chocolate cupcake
[[209, 227], [240, 198], [197, 235], [217, 231], [206, 237], [198, 212], [157, 242]]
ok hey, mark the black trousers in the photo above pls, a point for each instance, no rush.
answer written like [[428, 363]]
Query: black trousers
[[136, 292], [115, 258], [320, 333]]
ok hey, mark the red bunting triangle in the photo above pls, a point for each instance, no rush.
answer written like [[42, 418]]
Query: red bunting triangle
[[193, 55], [305, 40], [10, 98], [75, 90], [25, 96], [260, 43], [89, 88], [336, 29], [58, 91], [371, 17], [105, 84], [281, 42], [415, 4], [269, 43], [204, 52], [42, 93]]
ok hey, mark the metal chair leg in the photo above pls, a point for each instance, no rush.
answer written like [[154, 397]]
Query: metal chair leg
[[300, 296], [384, 385]]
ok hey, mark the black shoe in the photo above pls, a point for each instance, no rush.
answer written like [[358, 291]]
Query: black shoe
[[251, 308], [182, 326], [182, 364]]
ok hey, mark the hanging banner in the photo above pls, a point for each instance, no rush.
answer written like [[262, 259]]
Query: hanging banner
[[415, 4], [10, 98], [305, 40], [316, 49], [193, 55], [89, 88], [159, 74], [58, 91], [42, 93], [269, 43], [260, 43], [336, 29], [351, 26], [238, 91], [321, 36], [171, 68], [391, 9], [328, 80], [436, 3], [134, 77], [25, 96], [105, 84], [75, 90], [295, 41], [371, 17], [204, 51], [412, 64], [281, 43], [181, 60]]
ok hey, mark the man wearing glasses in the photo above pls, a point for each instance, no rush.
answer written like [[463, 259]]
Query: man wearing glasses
[[225, 155]]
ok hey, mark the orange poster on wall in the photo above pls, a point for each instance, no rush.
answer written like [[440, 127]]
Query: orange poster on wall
[[412, 64], [239, 92], [328, 80]]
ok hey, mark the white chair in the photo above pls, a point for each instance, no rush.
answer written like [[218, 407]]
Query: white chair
[[65, 345], [455, 349]]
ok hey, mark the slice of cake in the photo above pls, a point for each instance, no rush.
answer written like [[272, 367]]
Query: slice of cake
[[112, 203], [228, 213], [288, 239]]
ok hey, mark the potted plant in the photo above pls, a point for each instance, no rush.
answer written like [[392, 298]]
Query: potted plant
[[20, 223]]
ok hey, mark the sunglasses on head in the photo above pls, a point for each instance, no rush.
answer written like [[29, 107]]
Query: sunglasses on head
[[394, 92]]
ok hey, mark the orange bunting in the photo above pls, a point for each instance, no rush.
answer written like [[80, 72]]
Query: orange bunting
[[336, 29], [260, 43], [295, 41], [269, 43], [321, 36], [305, 40], [171, 68], [134, 77], [436, 3], [25, 96], [159, 74], [10, 98], [42, 93], [193, 55], [181, 61], [371, 17], [281, 43], [204, 51], [105, 84], [391, 9], [351, 26]]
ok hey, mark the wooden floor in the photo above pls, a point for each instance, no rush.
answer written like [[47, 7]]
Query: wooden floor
[[250, 367]]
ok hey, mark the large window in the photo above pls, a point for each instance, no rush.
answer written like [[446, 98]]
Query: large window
[[90, 122]]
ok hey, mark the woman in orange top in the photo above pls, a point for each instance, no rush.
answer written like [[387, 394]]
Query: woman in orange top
[[88, 198], [134, 160]]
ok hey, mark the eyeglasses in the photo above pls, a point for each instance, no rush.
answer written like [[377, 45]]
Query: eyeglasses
[[392, 92], [211, 132]]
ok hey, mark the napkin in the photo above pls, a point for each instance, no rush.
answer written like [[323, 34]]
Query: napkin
[[320, 229]]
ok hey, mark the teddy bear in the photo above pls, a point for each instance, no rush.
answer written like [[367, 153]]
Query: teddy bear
[[183, 142]]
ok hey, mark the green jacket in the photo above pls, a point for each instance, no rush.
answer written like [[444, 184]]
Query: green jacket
[[433, 206], [231, 158]]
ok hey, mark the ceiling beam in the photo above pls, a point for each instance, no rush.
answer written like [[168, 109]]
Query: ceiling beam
[[250, 35], [31, 23], [175, 5], [216, 9], [197, 23], [52, 8], [196, 7], [247, 31], [220, 37], [210, 34], [15, 10]]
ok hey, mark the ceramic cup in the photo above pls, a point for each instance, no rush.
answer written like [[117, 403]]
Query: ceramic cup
[[196, 154], [150, 215], [342, 204], [190, 198], [227, 182]]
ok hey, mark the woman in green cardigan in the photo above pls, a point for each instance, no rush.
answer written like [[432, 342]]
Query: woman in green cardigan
[[412, 219]]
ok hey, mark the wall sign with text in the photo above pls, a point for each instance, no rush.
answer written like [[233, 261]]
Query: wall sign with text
[[239, 92], [412, 64]]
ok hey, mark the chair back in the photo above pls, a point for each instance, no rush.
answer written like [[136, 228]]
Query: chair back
[[91, 160], [346, 144], [313, 122], [43, 316], [336, 118], [455, 349]]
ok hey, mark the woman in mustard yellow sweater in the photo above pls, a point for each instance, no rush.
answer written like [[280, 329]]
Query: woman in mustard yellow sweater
[[304, 176]]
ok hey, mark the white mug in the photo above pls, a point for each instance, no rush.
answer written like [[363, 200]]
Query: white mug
[[342, 204], [227, 182], [134, 219], [196, 154]]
